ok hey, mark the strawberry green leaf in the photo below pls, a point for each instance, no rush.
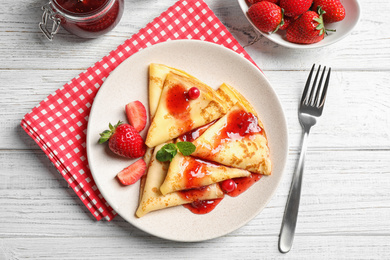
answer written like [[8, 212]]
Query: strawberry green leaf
[[106, 134], [320, 11]]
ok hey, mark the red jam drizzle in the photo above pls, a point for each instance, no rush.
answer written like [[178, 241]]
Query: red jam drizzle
[[198, 206], [193, 194], [195, 133], [206, 206], [81, 6], [177, 101], [244, 183], [202, 206], [240, 124], [178, 105], [195, 171]]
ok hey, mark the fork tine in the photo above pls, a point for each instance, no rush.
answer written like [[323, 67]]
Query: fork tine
[[313, 89], [323, 96], [317, 96], [304, 94]]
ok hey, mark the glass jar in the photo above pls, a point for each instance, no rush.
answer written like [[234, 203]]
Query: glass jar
[[84, 18]]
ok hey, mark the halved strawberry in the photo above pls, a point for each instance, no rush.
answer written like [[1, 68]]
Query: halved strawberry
[[136, 115], [132, 173]]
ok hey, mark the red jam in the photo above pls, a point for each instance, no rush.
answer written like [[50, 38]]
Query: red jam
[[177, 101], [81, 6], [198, 206], [206, 206], [195, 133], [195, 171], [193, 194], [244, 183], [202, 206], [178, 105], [88, 18], [240, 124]]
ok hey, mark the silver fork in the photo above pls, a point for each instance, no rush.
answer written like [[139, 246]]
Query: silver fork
[[310, 109]]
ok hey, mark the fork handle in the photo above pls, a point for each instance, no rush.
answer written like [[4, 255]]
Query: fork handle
[[291, 212]]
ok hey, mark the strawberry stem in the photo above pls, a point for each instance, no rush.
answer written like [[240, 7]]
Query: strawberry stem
[[106, 134], [320, 21], [281, 22]]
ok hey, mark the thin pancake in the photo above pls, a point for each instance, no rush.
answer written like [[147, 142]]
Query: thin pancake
[[187, 172], [152, 199], [176, 114], [236, 140], [157, 75]]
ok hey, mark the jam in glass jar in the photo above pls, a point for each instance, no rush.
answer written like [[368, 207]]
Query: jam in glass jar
[[84, 18]]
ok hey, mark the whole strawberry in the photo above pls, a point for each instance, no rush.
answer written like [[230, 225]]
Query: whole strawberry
[[334, 10], [293, 8], [266, 16], [251, 2], [124, 140], [308, 28]]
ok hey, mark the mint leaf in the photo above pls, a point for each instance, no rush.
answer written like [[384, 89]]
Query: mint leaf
[[170, 148], [186, 148], [166, 153], [163, 156]]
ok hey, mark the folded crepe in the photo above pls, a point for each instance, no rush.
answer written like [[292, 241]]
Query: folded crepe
[[176, 114], [238, 138], [187, 172], [152, 199], [231, 96], [157, 75]]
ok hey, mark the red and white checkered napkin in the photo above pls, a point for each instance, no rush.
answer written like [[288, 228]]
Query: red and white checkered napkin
[[59, 123]]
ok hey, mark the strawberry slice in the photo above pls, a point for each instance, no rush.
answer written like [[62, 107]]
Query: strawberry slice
[[132, 173], [136, 115]]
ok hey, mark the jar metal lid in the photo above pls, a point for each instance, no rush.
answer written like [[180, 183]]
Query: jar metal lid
[[49, 15]]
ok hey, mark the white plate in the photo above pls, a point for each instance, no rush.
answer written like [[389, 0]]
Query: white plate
[[343, 28], [213, 65]]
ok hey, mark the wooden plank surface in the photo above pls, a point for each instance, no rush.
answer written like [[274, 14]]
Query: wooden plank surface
[[345, 203]]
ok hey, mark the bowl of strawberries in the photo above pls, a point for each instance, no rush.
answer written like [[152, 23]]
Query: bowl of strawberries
[[302, 24]]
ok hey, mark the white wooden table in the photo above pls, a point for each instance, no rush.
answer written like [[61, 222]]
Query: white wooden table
[[345, 205]]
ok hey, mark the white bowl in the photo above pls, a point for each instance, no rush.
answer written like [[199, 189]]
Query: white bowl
[[343, 28]]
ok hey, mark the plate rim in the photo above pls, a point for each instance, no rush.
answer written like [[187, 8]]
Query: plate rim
[[270, 88]]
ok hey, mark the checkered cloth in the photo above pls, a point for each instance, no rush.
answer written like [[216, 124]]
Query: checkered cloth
[[59, 123]]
